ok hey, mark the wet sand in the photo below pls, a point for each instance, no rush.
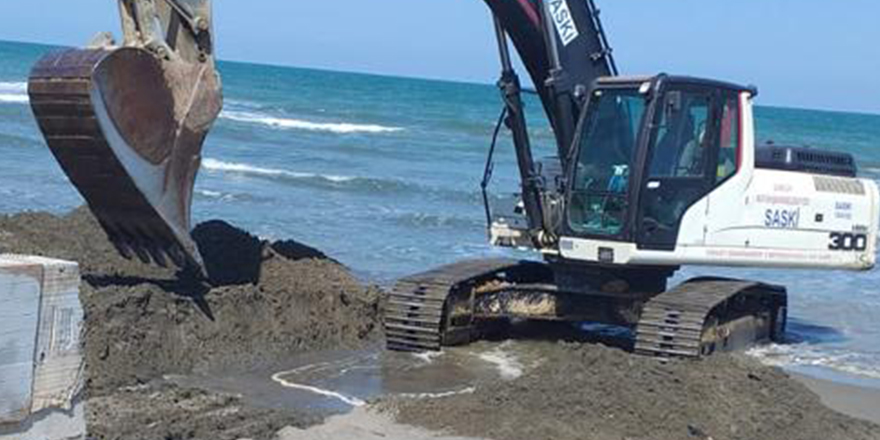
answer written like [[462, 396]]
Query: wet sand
[[859, 402], [362, 424], [267, 302], [591, 392]]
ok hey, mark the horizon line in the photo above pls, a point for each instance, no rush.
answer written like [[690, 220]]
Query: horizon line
[[281, 65]]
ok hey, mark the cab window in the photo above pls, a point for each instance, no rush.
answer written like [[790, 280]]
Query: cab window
[[682, 143], [599, 199], [728, 153]]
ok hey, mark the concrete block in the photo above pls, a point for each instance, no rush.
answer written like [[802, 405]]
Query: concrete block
[[41, 362]]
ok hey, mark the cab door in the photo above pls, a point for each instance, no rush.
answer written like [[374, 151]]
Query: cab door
[[679, 167]]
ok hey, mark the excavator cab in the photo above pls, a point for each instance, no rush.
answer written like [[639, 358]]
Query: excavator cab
[[127, 123], [646, 150]]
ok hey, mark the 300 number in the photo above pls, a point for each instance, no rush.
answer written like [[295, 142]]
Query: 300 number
[[841, 241]]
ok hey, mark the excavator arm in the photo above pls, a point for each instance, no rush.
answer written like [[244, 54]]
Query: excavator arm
[[127, 123], [563, 46]]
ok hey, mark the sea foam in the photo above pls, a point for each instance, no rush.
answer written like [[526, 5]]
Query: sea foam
[[13, 92], [245, 169], [811, 355], [509, 367], [297, 124], [332, 182]]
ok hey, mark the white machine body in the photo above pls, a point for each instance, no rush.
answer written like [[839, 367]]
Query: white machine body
[[758, 218]]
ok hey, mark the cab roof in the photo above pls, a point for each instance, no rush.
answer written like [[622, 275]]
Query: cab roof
[[658, 80]]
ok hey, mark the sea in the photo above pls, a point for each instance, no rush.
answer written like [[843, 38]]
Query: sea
[[382, 173]]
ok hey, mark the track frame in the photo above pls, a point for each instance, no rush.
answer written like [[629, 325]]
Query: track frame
[[456, 304]]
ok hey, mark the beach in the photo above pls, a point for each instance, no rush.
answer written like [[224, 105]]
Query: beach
[[283, 301], [855, 401]]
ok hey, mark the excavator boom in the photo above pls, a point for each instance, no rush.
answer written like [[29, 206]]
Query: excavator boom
[[563, 46], [127, 123]]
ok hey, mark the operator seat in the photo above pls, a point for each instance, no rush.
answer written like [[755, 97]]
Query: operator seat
[[668, 151]]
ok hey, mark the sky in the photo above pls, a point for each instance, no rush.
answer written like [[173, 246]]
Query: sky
[[800, 53]]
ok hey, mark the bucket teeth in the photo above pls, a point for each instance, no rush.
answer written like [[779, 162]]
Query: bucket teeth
[[176, 255], [122, 248], [127, 129], [142, 255]]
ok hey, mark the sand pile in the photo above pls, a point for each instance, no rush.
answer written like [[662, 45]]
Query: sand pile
[[267, 302], [592, 392], [272, 301]]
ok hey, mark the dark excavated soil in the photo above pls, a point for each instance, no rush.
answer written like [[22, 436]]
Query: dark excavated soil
[[166, 412], [266, 302], [591, 392], [271, 301]]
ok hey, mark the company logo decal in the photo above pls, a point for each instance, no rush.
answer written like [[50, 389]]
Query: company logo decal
[[782, 218], [564, 22], [843, 210]]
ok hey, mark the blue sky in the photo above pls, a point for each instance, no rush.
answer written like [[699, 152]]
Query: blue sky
[[801, 53]]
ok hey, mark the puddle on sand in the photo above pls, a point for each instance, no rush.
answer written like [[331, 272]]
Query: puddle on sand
[[334, 382]]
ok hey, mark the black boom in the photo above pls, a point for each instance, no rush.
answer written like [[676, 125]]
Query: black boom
[[563, 62]]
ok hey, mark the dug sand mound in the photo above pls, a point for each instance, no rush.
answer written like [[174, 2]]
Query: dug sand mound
[[272, 301], [266, 301], [591, 392]]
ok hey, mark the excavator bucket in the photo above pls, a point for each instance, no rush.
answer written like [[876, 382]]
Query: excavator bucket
[[127, 125]]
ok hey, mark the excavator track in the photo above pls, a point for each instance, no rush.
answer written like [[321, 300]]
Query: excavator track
[[417, 315], [430, 310], [703, 316]]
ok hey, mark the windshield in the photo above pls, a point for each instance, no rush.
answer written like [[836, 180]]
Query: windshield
[[599, 203]]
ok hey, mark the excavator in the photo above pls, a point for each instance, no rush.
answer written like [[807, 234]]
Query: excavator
[[650, 173]]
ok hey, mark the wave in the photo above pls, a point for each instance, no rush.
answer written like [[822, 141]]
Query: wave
[[240, 168], [809, 355], [297, 124], [423, 220], [14, 92], [360, 185], [218, 196], [871, 169], [328, 182], [230, 102], [210, 194], [14, 99], [16, 86]]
